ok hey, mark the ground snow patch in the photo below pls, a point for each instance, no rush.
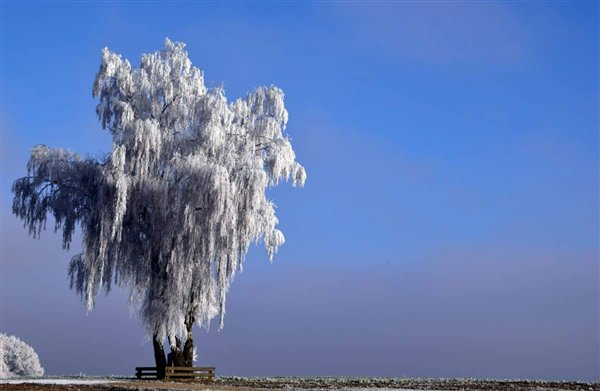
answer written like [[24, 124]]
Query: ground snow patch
[[62, 381]]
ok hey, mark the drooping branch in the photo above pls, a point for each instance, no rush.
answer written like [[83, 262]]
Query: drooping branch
[[59, 183]]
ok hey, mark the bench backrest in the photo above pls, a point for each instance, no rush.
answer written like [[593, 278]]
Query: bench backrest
[[177, 372]]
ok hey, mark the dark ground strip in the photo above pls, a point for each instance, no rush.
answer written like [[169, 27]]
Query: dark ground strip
[[421, 384], [250, 384]]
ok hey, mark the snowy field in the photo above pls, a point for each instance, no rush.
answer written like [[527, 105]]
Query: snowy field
[[286, 383], [113, 384]]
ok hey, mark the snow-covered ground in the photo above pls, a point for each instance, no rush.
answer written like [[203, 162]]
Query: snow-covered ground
[[83, 381], [57, 381], [302, 384]]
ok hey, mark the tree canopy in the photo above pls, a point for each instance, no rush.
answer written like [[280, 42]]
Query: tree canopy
[[171, 212]]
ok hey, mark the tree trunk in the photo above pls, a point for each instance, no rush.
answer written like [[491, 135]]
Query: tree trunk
[[176, 355], [159, 356], [188, 348], [157, 343]]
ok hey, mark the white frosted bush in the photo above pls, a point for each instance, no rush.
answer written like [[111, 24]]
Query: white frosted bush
[[18, 358]]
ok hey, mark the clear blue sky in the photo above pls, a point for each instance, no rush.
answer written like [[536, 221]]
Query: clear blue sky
[[449, 223]]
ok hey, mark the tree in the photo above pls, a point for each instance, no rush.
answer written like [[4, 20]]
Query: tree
[[171, 212], [17, 358]]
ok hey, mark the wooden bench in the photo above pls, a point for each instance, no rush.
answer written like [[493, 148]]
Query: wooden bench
[[189, 373], [146, 372], [177, 373]]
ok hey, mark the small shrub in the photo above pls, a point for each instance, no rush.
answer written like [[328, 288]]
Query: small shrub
[[17, 358]]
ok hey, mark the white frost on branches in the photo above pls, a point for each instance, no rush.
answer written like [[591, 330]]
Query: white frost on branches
[[18, 358], [171, 212]]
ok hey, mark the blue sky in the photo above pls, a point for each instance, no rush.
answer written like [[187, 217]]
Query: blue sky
[[449, 223]]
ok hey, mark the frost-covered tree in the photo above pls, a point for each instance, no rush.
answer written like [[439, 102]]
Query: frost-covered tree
[[18, 358], [171, 212]]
